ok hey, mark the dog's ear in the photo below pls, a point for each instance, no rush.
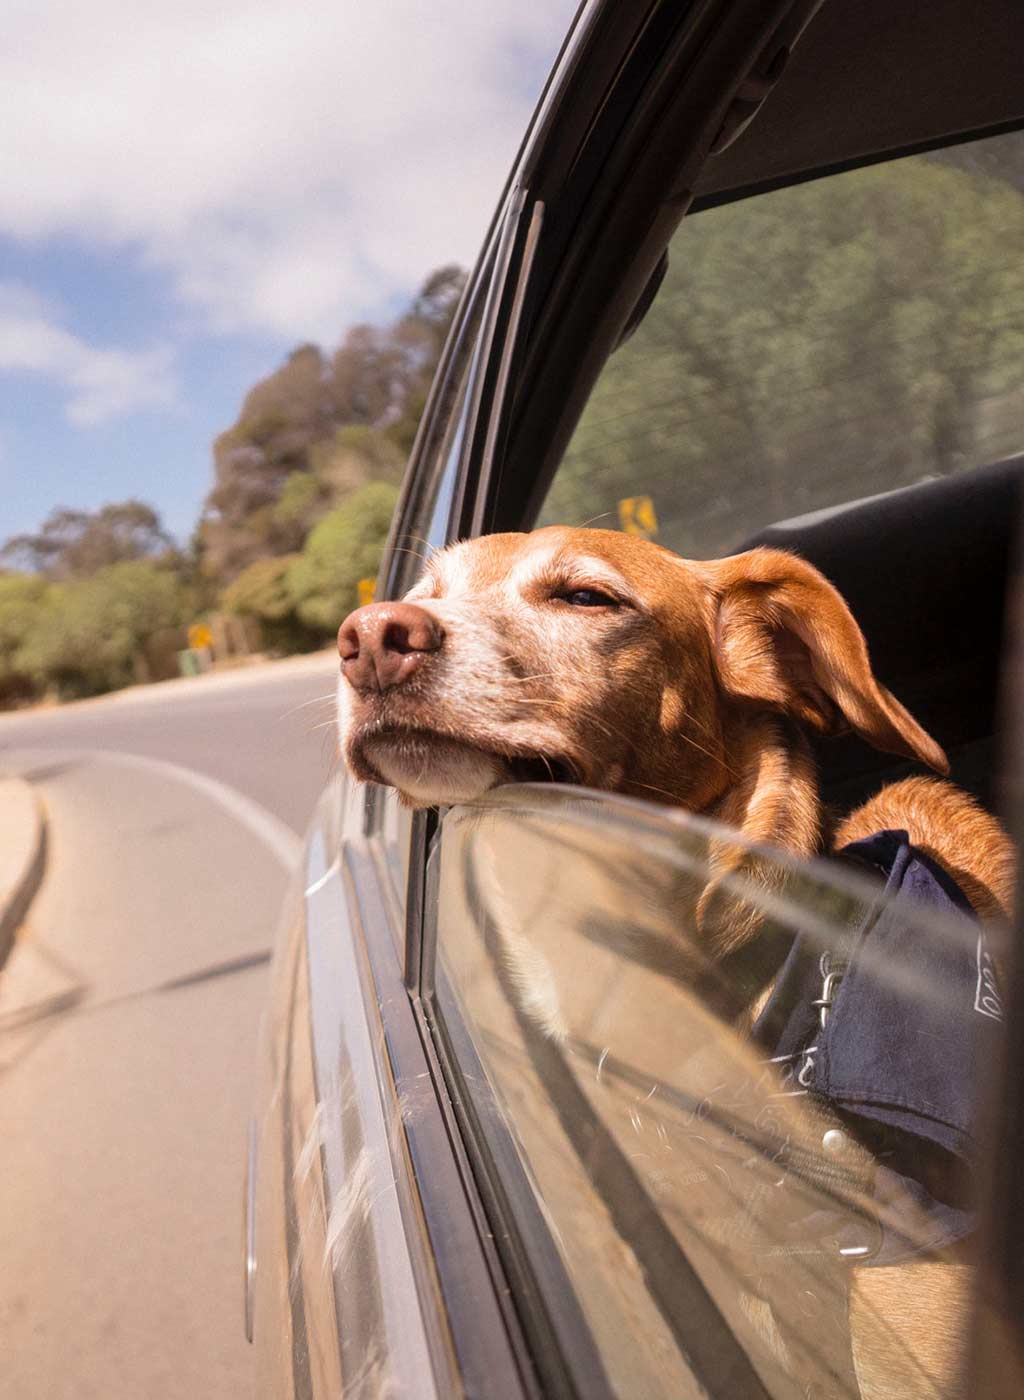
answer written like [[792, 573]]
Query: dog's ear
[[783, 637]]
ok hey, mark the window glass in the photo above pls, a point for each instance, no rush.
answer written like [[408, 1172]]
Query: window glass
[[734, 1205], [427, 526], [811, 347], [394, 835]]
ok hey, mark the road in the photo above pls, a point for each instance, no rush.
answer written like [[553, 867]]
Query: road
[[129, 1010]]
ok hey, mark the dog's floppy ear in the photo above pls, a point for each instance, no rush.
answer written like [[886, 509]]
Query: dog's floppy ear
[[783, 637]]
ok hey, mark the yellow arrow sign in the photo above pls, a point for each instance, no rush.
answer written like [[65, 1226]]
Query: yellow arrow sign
[[637, 516], [199, 636], [367, 587]]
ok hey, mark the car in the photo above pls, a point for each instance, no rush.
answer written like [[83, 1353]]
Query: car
[[755, 279]]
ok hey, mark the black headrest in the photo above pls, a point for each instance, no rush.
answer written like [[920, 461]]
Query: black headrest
[[925, 571]]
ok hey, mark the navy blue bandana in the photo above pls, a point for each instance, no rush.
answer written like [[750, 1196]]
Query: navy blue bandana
[[911, 1027]]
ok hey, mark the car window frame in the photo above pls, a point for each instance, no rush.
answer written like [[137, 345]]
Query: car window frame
[[498, 287], [428, 500]]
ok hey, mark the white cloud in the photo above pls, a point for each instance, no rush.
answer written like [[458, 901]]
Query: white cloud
[[99, 382], [289, 165]]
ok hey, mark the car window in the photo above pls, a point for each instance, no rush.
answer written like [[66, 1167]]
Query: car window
[[811, 347], [428, 520], [425, 528], [720, 1223], [425, 524]]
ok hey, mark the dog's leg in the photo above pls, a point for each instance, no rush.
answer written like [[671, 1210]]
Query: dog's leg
[[908, 1327]]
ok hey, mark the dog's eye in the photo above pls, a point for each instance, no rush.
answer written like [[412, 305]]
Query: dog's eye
[[587, 598]]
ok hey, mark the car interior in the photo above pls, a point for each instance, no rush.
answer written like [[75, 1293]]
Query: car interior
[[925, 570]]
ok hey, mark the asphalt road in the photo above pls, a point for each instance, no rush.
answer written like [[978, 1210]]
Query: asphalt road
[[129, 1010]]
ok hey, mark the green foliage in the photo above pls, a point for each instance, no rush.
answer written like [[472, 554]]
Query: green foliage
[[261, 591], [343, 548], [22, 604], [811, 346], [323, 438], [302, 496], [88, 635]]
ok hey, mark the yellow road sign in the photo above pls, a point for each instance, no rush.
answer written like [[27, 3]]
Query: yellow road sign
[[367, 587], [637, 516], [199, 636]]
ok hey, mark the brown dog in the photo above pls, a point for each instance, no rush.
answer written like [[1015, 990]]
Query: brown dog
[[599, 658]]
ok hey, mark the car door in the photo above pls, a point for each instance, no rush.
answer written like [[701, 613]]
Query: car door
[[506, 1148], [549, 921]]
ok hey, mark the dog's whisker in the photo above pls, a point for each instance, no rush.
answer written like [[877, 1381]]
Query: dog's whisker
[[540, 676], [331, 697], [715, 758], [324, 724], [419, 539], [650, 787]]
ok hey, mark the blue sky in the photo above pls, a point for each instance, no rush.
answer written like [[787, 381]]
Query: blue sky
[[197, 190]]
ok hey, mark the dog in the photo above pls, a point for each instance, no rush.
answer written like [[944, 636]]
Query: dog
[[602, 659]]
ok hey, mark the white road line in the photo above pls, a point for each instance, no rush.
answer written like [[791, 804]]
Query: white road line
[[270, 829], [273, 832]]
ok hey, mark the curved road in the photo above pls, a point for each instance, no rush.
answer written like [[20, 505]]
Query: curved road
[[129, 1010]]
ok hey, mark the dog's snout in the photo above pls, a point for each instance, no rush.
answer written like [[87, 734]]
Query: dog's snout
[[382, 644]]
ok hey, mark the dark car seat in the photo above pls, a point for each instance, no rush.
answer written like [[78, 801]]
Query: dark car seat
[[925, 570]]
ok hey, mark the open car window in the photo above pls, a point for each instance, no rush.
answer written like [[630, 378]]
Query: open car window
[[695, 1201]]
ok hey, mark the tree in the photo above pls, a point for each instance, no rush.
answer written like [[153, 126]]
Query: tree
[[261, 592], [344, 420], [352, 456], [421, 334], [343, 548], [303, 499], [76, 543]]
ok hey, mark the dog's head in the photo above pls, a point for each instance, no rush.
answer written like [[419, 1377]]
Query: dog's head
[[596, 657]]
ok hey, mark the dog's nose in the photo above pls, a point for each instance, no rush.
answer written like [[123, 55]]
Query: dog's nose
[[382, 644]]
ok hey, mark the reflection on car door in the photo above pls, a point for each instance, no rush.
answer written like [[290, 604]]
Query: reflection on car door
[[709, 1211]]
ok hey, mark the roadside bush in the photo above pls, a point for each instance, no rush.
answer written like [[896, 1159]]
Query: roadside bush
[[261, 592], [344, 547], [22, 601], [89, 635]]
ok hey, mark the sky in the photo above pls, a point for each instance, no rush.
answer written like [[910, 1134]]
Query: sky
[[188, 191]]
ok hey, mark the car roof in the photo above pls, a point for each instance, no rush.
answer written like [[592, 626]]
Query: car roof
[[864, 81], [877, 77]]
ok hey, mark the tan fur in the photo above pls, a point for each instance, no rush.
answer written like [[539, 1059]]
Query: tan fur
[[692, 690], [953, 829], [908, 1329]]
